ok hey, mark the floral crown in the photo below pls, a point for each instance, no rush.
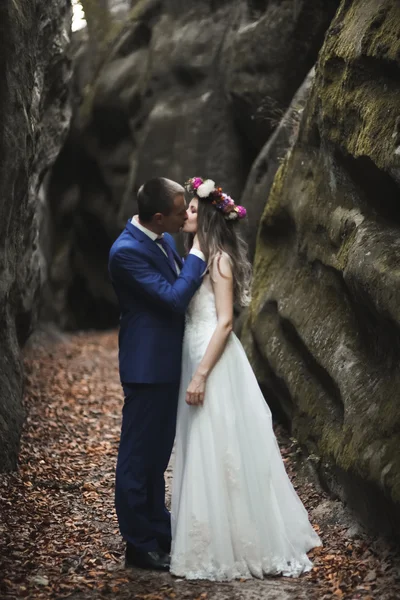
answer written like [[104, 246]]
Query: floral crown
[[206, 190]]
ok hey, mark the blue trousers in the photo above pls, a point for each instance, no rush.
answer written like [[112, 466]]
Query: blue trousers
[[147, 437]]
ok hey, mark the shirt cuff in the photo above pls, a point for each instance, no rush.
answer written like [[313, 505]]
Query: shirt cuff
[[198, 253]]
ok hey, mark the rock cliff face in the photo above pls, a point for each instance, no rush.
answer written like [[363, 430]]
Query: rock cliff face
[[267, 163], [34, 116], [186, 88], [324, 326]]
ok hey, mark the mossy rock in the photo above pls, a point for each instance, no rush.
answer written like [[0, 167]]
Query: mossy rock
[[325, 314]]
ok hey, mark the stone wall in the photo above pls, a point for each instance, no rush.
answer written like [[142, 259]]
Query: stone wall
[[324, 326], [34, 116], [183, 89]]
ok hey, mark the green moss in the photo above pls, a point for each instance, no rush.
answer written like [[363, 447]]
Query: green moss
[[343, 254], [354, 107], [348, 448], [380, 30], [361, 118], [264, 263], [357, 100], [263, 271], [272, 207]]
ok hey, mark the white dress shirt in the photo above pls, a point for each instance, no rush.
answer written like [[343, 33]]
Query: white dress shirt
[[153, 236]]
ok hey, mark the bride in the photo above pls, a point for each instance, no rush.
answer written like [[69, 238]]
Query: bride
[[235, 513]]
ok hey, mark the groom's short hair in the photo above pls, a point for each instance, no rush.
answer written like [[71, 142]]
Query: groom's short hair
[[157, 196]]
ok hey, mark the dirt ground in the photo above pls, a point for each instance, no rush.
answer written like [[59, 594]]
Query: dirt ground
[[58, 530]]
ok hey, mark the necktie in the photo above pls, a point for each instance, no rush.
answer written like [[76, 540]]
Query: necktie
[[168, 250]]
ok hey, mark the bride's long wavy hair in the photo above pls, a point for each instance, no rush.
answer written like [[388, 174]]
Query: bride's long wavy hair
[[217, 234]]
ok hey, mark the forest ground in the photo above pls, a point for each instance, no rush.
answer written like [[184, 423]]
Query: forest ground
[[58, 530]]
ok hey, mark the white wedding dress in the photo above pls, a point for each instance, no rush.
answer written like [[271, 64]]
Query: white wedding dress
[[235, 513]]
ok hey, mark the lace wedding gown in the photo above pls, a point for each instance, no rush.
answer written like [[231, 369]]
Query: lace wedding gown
[[235, 513]]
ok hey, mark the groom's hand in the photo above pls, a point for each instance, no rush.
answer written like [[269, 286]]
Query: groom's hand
[[195, 391]]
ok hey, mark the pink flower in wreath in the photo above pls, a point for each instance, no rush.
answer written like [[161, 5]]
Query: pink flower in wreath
[[196, 182], [241, 212]]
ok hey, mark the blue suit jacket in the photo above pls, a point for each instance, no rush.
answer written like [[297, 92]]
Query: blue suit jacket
[[153, 301]]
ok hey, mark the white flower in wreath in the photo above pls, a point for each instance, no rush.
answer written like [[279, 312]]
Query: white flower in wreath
[[232, 215], [206, 188]]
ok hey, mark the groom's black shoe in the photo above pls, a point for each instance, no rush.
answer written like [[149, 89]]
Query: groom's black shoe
[[165, 544], [156, 559]]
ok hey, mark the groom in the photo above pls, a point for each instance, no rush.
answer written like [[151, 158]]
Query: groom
[[154, 288]]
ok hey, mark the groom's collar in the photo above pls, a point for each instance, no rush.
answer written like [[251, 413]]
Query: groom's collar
[[142, 236], [153, 236]]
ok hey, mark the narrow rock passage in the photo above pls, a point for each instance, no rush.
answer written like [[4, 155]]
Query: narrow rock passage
[[58, 530]]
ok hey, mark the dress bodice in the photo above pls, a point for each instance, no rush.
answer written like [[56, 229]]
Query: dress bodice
[[201, 311]]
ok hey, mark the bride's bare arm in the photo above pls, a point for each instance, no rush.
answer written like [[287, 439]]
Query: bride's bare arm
[[221, 276]]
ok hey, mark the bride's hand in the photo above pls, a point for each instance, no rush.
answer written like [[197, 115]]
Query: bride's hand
[[195, 391]]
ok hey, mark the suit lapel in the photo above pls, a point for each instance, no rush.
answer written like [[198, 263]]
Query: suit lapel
[[164, 258], [177, 258], [142, 237], [153, 248]]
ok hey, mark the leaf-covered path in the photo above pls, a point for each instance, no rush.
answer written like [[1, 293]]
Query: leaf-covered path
[[58, 530]]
